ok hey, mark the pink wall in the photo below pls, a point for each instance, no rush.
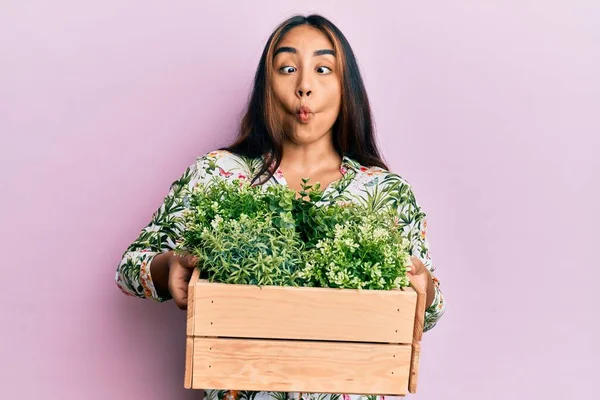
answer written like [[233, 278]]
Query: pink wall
[[490, 109]]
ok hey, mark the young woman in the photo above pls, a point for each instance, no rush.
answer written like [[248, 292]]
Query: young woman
[[308, 117]]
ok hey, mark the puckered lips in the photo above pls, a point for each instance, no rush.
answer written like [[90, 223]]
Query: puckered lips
[[304, 114]]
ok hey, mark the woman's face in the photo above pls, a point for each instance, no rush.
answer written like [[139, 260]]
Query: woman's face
[[306, 84]]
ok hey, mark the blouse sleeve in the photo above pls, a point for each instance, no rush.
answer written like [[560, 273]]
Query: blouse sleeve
[[416, 227], [160, 235]]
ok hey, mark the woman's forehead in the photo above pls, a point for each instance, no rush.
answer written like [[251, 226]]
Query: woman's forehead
[[305, 38]]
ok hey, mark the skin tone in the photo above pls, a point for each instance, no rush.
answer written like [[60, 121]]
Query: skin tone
[[305, 75], [307, 90], [423, 279]]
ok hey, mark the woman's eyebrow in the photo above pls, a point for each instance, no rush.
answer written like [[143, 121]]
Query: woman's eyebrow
[[323, 52], [286, 49]]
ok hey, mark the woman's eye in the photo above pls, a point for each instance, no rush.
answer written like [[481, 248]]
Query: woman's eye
[[324, 70], [287, 70]]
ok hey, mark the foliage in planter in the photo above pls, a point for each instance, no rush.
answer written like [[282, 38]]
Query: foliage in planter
[[365, 251], [266, 236]]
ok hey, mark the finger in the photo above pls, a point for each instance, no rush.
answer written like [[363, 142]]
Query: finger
[[417, 266], [409, 266], [179, 278], [186, 260], [180, 298], [178, 293], [190, 261]]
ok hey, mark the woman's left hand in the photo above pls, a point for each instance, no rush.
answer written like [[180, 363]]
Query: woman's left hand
[[423, 278]]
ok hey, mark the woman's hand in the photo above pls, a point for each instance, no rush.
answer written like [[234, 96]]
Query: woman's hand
[[423, 278], [171, 275], [180, 272]]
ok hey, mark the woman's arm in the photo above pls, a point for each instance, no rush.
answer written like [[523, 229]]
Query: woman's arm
[[416, 229], [143, 270]]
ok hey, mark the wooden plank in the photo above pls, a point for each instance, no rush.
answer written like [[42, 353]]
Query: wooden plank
[[190, 305], [296, 366], [189, 358], [420, 309], [189, 342], [414, 367], [276, 312]]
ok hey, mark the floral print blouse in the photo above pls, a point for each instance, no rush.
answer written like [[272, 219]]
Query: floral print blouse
[[373, 186]]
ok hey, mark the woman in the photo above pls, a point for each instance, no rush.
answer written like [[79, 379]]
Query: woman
[[308, 117]]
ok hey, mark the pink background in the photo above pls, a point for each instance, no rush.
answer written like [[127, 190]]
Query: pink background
[[490, 109]]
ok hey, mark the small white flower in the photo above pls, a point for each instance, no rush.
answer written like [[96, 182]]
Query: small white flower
[[216, 221], [380, 233]]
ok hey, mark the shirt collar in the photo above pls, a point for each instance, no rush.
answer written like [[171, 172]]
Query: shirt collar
[[347, 163], [350, 163]]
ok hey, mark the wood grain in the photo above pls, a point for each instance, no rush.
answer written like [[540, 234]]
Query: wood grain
[[414, 367], [277, 312], [295, 366], [189, 358], [189, 342], [420, 309], [191, 297]]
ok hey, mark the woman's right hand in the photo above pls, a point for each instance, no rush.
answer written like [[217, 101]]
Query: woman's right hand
[[172, 273], [180, 273]]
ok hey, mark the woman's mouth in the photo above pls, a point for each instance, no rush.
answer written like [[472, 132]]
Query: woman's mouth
[[304, 113]]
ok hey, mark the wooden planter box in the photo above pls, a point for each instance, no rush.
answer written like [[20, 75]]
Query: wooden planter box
[[315, 340]]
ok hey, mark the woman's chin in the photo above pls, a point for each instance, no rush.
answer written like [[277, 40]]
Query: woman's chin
[[303, 134]]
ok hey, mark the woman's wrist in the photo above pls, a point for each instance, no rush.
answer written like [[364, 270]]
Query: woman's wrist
[[159, 272]]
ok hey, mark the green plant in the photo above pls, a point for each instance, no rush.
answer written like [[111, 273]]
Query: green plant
[[266, 236], [364, 250]]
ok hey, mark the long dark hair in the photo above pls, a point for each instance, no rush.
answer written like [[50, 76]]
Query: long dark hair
[[260, 132]]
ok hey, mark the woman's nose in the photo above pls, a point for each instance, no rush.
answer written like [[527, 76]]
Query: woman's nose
[[304, 88], [302, 92]]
